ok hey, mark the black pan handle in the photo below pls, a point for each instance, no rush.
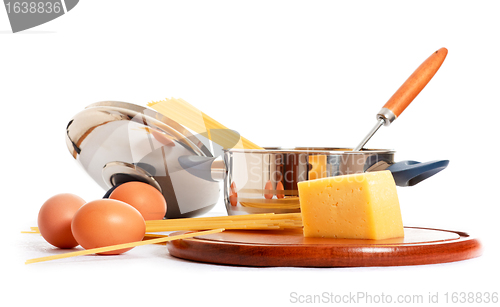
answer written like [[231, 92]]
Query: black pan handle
[[409, 173]]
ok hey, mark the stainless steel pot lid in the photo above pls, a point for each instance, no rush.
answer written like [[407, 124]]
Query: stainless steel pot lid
[[117, 142]]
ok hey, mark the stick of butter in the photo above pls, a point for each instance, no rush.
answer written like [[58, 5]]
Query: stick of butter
[[358, 206]]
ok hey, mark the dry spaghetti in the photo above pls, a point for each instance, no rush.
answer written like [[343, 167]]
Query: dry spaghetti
[[121, 246], [250, 221], [190, 117]]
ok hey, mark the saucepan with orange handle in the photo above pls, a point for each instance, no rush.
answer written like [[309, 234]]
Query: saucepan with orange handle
[[262, 181], [258, 181]]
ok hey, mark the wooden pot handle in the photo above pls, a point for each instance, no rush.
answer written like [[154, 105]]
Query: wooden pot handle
[[416, 82]]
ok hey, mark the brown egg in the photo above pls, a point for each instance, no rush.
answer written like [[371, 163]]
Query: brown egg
[[144, 197], [54, 219], [106, 222]]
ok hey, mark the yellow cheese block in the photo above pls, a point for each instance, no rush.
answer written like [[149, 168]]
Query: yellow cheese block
[[358, 206]]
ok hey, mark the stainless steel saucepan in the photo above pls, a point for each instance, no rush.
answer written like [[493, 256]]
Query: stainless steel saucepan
[[261, 181]]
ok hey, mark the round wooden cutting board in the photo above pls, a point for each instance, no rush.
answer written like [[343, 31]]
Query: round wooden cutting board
[[290, 248]]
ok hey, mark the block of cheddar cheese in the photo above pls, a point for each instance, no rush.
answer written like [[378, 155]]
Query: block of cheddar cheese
[[358, 206]]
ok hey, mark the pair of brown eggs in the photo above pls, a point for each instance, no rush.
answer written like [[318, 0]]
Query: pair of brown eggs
[[66, 220]]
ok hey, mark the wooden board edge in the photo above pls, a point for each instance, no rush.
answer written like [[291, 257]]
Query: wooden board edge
[[260, 255]]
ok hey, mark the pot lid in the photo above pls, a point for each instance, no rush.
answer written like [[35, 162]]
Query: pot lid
[[116, 142]]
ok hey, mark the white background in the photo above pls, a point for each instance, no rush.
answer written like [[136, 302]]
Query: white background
[[282, 73]]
